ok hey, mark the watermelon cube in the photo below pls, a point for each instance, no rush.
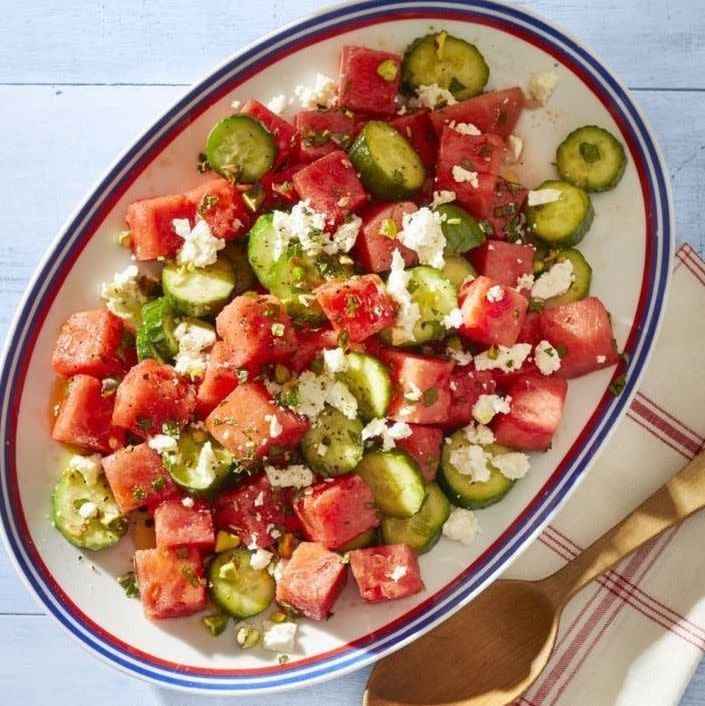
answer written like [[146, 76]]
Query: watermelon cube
[[84, 417], [369, 80], [279, 189], [137, 477], [413, 374], [90, 343], [331, 186], [492, 313], [466, 386], [531, 330], [257, 330], [171, 582], [150, 395], [309, 343], [418, 129], [219, 380], [360, 306], [505, 212], [336, 512], [244, 422], [582, 333], [220, 204], [536, 409], [424, 445], [503, 262], [377, 239], [321, 132], [386, 573], [179, 525], [312, 580], [282, 131]]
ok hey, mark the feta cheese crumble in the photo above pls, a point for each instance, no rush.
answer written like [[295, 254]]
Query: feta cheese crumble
[[123, 296], [398, 573], [505, 358], [278, 637], [495, 294], [187, 502], [512, 465], [600, 359], [88, 510], [388, 434], [413, 393], [324, 93], [471, 460], [542, 84], [515, 146], [314, 391], [487, 406], [525, 281], [195, 337], [542, 196], [334, 360], [479, 434], [466, 128], [429, 96], [207, 465], [200, 247], [162, 443], [275, 428], [461, 526], [555, 282], [421, 232], [441, 197], [454, 319], [462, 175], [408, 312], [322, 449], [277, 104], [294, 476], [462, 358], [546, 358], [88, 466], [260, 559]]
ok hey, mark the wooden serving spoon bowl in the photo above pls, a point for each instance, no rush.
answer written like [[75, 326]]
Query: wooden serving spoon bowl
[[493, 649]]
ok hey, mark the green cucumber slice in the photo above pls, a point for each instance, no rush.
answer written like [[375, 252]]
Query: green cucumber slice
[[447, 61], [366, 539], [245, 278], [582, 276], [369, 382], [240, 148], [396, 481], [260, 249], [462, 232], [422, 530], [591, 158], [333, 445], [562, 223], [457, 269], [388, 165], [157, 327], [202, 291], [236, 587]]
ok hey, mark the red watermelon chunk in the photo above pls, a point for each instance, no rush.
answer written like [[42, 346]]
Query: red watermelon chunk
[[312, 580], [150, 395], [321, 132], [418, 129], [481, 154], [331, 186], [424, 445], [360, 306], [531, 330], [412, 374], [220, 204], [536, 409], [256, 512], [179, 525], [582, 333], [282, 131], [466, 386], [503, 262], [374, 249], [84, 417], [309, 343], [171, 582], [369, 80], [90, 343], [336, 512], [257, 330], [243, 420], [496, 112], [220, 379], [386, 573], [492, 313], [279, 189], [150, 221], [137, 477], [505, 212]]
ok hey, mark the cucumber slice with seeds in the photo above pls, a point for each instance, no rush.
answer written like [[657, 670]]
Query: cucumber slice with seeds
[[582, 276], [245, 278], [201, 291], [368, 381], [591, 158], [333, 445], [457, 270], [240, 148], [388, 165], [462, 232], [157, 327]]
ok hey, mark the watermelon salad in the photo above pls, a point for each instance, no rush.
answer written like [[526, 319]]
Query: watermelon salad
[[341, 346]]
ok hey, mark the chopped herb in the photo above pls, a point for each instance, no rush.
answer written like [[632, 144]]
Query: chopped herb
[[561, 350], [465, 163], [159, 483], [144, 423], [190, 575], [202, 165], [208, 202], [128, 583], [388, 70], [138, 493], [216, 623], [536, 304], [589, 152], [283, 659], [254, 197], [618, 384], [430, 396], [351, 305]]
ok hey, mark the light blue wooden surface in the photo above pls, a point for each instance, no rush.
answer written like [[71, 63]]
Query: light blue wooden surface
[[78, 80]]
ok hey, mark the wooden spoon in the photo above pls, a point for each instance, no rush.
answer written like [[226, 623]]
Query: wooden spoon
[[492, 650]]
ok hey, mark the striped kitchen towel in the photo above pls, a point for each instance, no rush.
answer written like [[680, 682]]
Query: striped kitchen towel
[[635, 637]]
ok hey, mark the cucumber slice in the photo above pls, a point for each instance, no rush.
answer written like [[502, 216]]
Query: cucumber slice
[[463, 492], [368, 380], [245, 278], [462, 232], [561, 223], [395, 480], [591, 158], [422, 530], [102, 527], [157, 328], [582, 276], [387, 163], [202, 291], [260, 250], [201, 479], [445, 60], [366, 539], [236, 587], [457, 270], [240, 148], [333, 445]]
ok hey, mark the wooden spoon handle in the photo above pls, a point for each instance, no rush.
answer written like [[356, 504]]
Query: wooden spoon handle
[[680, 497]]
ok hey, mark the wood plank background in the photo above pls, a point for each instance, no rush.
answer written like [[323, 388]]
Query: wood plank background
[[79, 80]]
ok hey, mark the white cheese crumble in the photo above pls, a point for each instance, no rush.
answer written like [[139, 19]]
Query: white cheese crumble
[[525, 281], [441, 197], [471, 460], [278, 637], [546, 358], [542, 196], [398, 573], [260, 559], [275, 428], [195, 337], [503, 358], [408, 312], [479, 434], [495, 294], [413, 393], [421, 232], [388, 434], [322, 449], [555, 282], [462, 175], [515, 146], [454, 319], [542, 84], [88, 466], [294, 476], [187, 502], [88, 510], [314, 391], [461, 526], [600, 359], [334, 360], [277, 104], [429, 96], [487, 406], [465, 128], [162, 443], [123, 296], [512, 465], [200, 247], [461, 358], [324, 93], [207, 464]]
